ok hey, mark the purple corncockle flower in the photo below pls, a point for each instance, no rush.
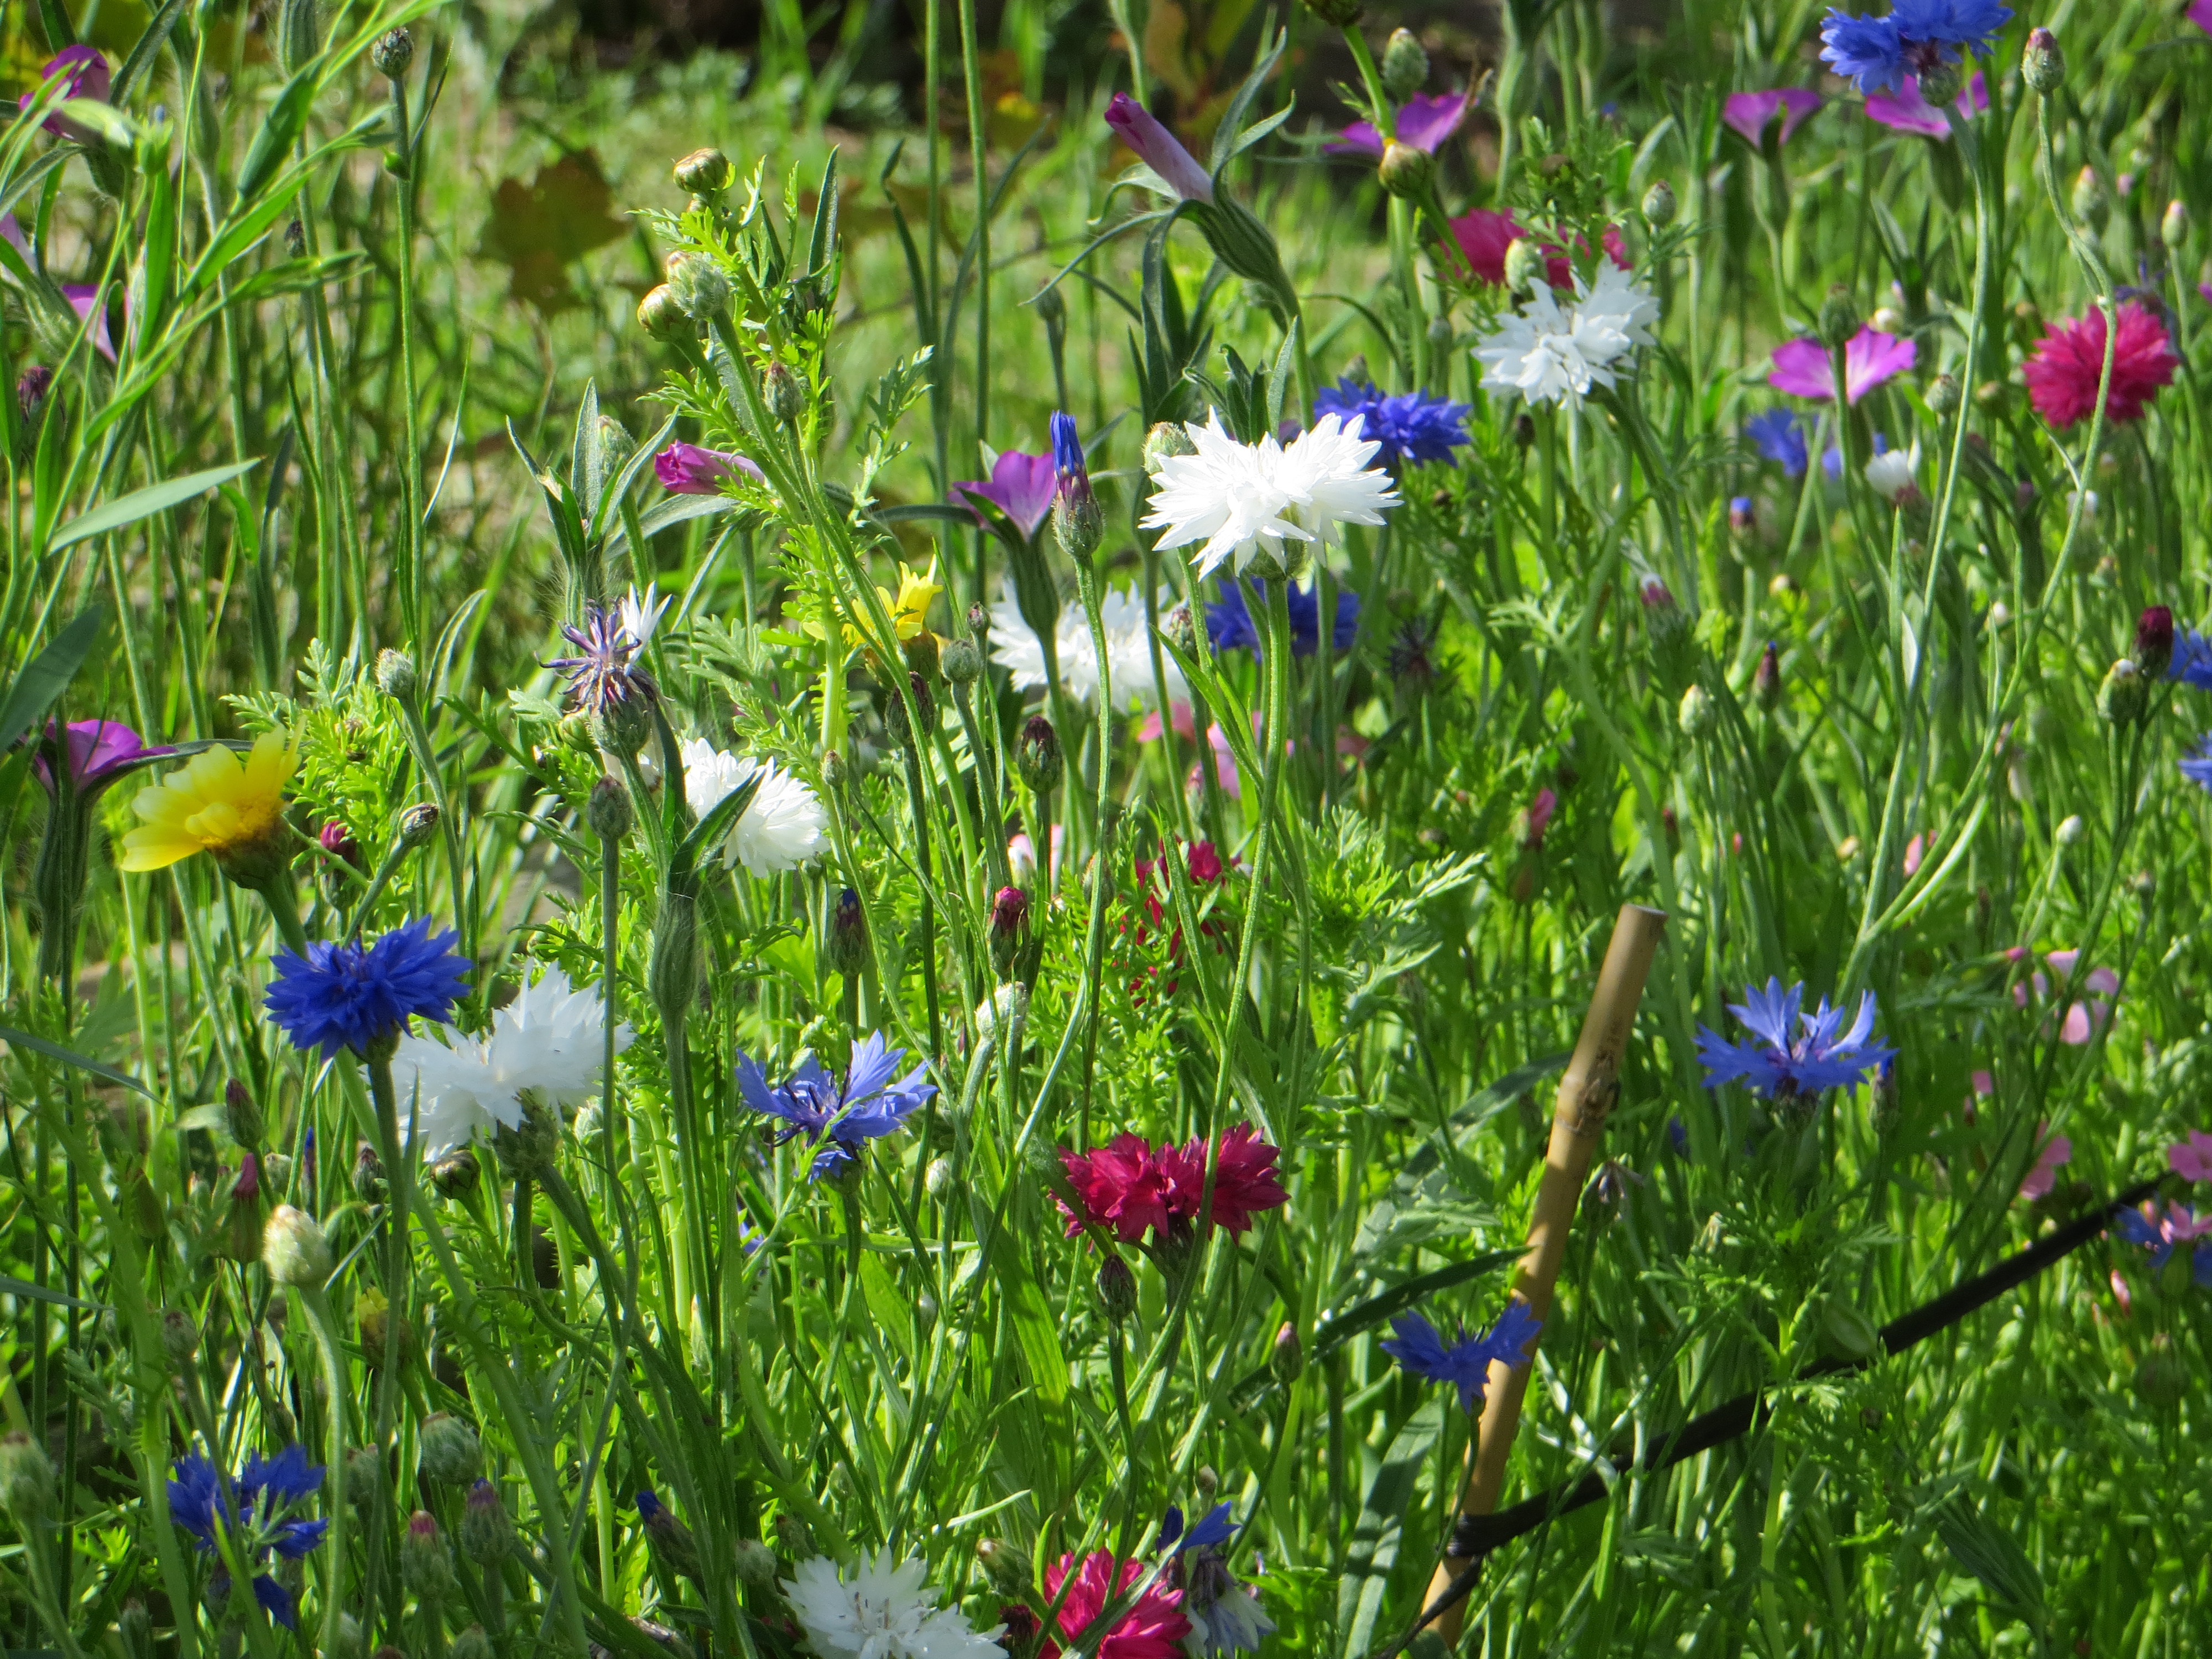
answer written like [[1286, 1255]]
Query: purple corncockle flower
[[100, 753], [89, 77], [1465, 1361], [1425, 121], [204, 1505], [690, 470], [83, 297], [839, 1118], [1751, 112], [1876, 53], [2201, 14], [2160, 1234], [1788, 1067], [1780, 439], [1021, 486], [1411, 426], [1801, 366], [1158, 149], [1908, 112], [1230, 625], [2191, 1157]]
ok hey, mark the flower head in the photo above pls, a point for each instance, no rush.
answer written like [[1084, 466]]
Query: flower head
[[1752, 112], [840, 1118], [2083, 1019], [550, 1040], [1483, 235], [1800, 368], [1465, 1361], [1158, 149], [99, 753], [352, 996], [207, 1506], [1877, 54], [2160, 1233], [2191, 661], [884, 1610], [1016, 646], [782, 826], [2190, 1157], [641, 617], [690, 470], [1892, 475], [1789, 1065], [2069, 365], [1021, 485], [1408, 426], [1424, 121], [1226, 1615], [215, 803], [1551, 353], [1780, 439], [1153, 1628], [1231, 497], [604, 675], [1231, 627], [1328, 473], [1908, 112], [1129, 1185], [89, 77]]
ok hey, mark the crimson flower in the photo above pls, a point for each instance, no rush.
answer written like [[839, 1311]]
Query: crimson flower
[[1129, 1185], [1153, 1629], [2069, 361]]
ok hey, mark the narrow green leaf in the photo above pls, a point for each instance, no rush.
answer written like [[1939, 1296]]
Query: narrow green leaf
[[39, 684], [11, 1286], [70, 1057], [144, 503]]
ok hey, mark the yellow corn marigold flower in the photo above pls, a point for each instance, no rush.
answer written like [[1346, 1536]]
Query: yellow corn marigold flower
[[218, 802], [909, 608]]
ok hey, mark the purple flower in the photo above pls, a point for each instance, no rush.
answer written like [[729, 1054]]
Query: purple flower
[[1877, 54], [1158, 149], [1425, 122], [205, 1506], [2191, 662], [83, 297], [1817, 1058], [2201, 14], [1411, 426], [2161, 1234], [1801, 366], [604, 673], [1022, 485], [1908, 112], [351, 996], [1465, 1362], [840, 1118], [100, 752], [690, 470], [89, 77], [1231, 627], [1751, 112], [1780, 439]]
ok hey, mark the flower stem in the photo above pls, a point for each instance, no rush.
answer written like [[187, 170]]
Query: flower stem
[[317, 1304]]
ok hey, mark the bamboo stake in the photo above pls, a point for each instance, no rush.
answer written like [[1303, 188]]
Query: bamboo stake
[[1586, 1096]]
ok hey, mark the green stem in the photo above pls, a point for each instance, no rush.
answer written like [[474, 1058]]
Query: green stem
[[316, 1304]]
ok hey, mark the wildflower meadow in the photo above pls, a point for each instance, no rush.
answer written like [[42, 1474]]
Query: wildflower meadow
[[1106, 830]]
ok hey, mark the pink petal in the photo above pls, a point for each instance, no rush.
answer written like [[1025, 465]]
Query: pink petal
[[2119, 1285], [1985, 1085], [2063, 961], [2077, 1028], [1914, 849], [2104, 981], [2190, 1157]]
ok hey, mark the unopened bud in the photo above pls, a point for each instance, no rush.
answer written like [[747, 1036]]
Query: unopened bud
[[1051, 309], [1696, 713], [781, 392], [2173, 228], [2070, 830], [180, 1337], [1405, 170], [2155, 642], [293, 1249], [662, 315], [1524, 430], [418, 823], [609, 810], [368, 1185], [796, 1537], [393, 51], [457, 1173], [1288, 1361], [395, 674], [848, 934], [471, 1643], [2121, 698], [1847, 1333], [426, 1560], [1766, 678], [135, 1627], [702, 290], [756, 1567], [1405, 66], [487, 1533], [960, 662], [1660, 206], [31, 389], [1525, 264], [2042, 65], [936, 1179], [1840, 318], [2088, 195], [1008, 1568], [451, 1452], [350, 1642], [1208, 1481], [1117, 1289], [703, 172], [243, 1116], [1944, 394], [1940, 84], [1036, 755], [26, 1479]]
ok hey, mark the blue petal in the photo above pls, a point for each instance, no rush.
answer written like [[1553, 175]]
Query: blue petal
[[1769, 1013], [275, 1601], [1214, 1529], [1171, 1528]]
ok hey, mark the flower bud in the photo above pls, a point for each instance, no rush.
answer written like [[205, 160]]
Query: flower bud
[[456, 1174], [702, 290], [1847, 1333], [703, 173], [1525, 265], [1007, 1567], [2042, 65], [936, 1179], [1117, 1289], [395, 674], [1036, 755], [848, 934], [451, 1452], [426, 1560], [781, 392], [2071, 829], [471, 1643], [1743, 515], [609, 811], [1840, 318], [243, 1117], [2155, 642], [1944, 394], [31, 389], [367, 1178], [418, 823], [293, 1249], [2121, 698], [1660, 206], [1288, 1361], [796, 1537], [1405, 66], [487, 1533], [393, 51], [1766, 678], [180, 1337], [2173, 228], [1405, 170], [663, 317], [1208, 1482], [757, 1568], [134, 1625], [1165, 439], [1940, 84], [1696, 713], [1051, 309], [26, 1479], [960, 662], [672, 969], [1010, 917], [1179, 628]]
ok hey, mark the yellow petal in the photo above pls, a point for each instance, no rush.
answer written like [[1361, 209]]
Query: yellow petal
[[150, 848]]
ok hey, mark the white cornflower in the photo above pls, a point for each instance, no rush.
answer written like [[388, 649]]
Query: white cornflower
[[1551, 353], [1228, 496], [882, 1611], [1016, 648], [1891, 474], [779, 829], [1326, 473], [552, 1038], [639, 617]]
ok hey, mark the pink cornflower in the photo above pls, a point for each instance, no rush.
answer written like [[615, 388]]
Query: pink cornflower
[[1153, 1629], [1752, 112], [1908, 112], [1800, 368], [1129, 1185], [2057, 1152], [2069, 361], [2190, 1157]]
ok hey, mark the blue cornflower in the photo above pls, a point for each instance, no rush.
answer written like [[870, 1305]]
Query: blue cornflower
[[1214, 1529], [1784, 1067], [2197, 764], [1465, 1363], [1224, 1613], [604, 674], [2192, 659], [203, 1505], [1067, 452], [1780, 439], [1865, 51], [351, 996], [1411, 426], [1877, 54], [840, 1118], [1232, 627]]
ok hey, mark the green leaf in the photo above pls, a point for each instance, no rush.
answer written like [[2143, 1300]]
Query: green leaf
[[37, 686], [144, 503], [14, 1286], [280, 131], [70, 1057], [1376, 1540], [1992, 1555], [1334, 1333], [665, 515], [1035, 1331]]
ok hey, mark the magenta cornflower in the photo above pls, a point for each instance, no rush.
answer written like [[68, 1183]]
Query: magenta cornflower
[[2068, 364]]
